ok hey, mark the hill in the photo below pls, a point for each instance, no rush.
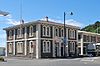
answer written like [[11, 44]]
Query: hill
[[95, 28]]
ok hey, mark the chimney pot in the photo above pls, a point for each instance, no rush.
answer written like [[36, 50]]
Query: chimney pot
[[46, 18]]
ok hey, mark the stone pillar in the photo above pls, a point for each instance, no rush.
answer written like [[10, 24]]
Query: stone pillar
[[25, 46], [14, 44], [38, 41], [53, 41], [67, 52], [81, 44]]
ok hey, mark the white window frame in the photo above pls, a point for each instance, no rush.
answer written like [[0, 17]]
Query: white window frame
[[10, 34], [44, 46], [62, 33], [31, 31], [31, 48], [20, 47], [10, 47], [46, 49], [19, 33], [44, 33], [72, 33], [56, 33], [72, 46]]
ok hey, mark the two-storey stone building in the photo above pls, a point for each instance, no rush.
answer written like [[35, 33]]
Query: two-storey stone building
[[40, 39]]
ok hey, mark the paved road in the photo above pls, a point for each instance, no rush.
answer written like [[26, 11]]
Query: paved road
[[94, 61]]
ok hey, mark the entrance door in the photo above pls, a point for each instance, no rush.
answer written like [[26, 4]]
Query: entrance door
[[62, 53]]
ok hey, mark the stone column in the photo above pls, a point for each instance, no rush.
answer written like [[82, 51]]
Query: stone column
[[53, 41], [38, 41], [14, 44], [81, 44], [67, 42], [25, 46]]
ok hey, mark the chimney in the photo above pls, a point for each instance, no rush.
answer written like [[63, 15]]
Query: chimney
[[46, 18]]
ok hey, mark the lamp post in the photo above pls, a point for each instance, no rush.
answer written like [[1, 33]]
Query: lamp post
[[65, 35]]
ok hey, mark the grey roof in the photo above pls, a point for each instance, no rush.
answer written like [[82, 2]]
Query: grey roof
[[40, 22]]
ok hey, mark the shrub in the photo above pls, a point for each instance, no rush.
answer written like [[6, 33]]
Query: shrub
[[1, 59]]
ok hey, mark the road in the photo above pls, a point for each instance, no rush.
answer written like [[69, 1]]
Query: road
[[93, 61]]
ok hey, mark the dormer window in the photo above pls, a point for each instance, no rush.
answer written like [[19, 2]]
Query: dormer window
[[31, 31], [46, 31]]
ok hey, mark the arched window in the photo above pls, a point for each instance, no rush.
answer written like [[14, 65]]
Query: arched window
[[10, 34], [62, 32], [46, 47], [20, 47], [48, 31], [10, 47], [31, 47], [56, 32], [44, 31], [19, 32], [31, 31]]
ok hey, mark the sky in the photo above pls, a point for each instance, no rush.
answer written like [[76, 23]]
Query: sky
[[85, 12]]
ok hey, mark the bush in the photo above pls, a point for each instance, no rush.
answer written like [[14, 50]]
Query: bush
[[1, 59]]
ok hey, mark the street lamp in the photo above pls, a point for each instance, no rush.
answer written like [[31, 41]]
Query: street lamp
[[65, 33]]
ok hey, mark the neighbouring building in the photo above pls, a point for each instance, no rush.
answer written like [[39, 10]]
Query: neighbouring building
[[2, 51], [41, 39], [88, 38]]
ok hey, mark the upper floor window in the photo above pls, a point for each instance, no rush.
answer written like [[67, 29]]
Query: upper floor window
[[10, 34], [10, 47], [19, 33], [31, 31], [62, 32], [72, 33], [46, 31], [46, 47], [56, 32], [20, 47]]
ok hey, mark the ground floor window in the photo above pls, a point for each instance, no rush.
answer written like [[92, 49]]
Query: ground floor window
[[46, 47], [72, 46], [20, 47], [10, 47], [31, 46]]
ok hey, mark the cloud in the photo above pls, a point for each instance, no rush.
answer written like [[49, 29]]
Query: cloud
[[74, 23], [69, 22], [13, 22]]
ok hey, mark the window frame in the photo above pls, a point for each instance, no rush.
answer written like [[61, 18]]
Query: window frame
[[31, 31], [46, 31], [46, 48], [19, 33], [10, 47], [10, 34], [20, 47]]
